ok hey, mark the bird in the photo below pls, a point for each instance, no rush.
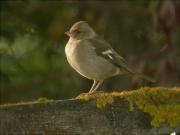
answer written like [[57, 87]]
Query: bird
[[93, 57]]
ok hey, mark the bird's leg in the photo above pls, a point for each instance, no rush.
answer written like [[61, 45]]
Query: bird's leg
[[93, 86], [96, 87]]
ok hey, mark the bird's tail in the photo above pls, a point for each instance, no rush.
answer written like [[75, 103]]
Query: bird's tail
[[131, 71], [140, 75], [145, 77]]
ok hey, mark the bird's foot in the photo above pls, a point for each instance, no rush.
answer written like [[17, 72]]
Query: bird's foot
[[96, 92], [89, 94]]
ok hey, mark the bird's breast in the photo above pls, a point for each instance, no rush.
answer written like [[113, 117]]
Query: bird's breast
[[79, 55], [83, 58]]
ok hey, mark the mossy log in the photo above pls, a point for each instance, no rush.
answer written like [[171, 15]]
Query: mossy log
[[147, 111]]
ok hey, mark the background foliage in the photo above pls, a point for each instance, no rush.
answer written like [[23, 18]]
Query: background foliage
[[32, 42]]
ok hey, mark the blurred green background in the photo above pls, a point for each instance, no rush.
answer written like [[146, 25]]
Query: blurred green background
[[32, 40]]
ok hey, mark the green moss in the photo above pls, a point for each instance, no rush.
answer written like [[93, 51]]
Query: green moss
[[162, 104], [42, 99], [39, 100]]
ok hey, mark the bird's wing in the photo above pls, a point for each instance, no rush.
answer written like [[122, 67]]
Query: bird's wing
[[105, 50]]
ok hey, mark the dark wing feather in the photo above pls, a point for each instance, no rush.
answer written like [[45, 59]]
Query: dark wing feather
[[101, 46]]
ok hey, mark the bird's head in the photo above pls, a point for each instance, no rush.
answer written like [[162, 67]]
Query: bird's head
[[81, 30]]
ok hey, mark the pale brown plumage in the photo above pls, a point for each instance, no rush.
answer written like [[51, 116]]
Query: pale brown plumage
[[93, 57]]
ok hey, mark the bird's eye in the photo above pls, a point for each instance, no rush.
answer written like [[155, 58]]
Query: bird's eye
[[76, 31]]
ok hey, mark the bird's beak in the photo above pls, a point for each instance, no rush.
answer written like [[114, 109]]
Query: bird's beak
[[68, 33]]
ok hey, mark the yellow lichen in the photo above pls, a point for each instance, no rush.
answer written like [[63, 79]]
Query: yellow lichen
[[102, 99], [162, 104]]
